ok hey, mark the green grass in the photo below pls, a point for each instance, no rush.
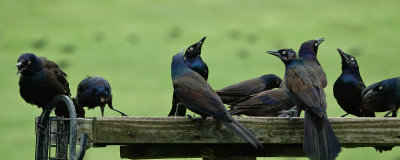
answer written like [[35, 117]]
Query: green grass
[[131, 43]]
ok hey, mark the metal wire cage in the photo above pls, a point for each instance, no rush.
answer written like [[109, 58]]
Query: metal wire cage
[[56, 137]]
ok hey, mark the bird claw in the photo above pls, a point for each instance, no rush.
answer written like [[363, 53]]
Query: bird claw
[[292, 112], [195, 119]]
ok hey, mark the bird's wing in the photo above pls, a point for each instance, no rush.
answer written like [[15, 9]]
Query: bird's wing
[[57, 76], [244, 88], [199, 97], [269, 97], [307, 88]]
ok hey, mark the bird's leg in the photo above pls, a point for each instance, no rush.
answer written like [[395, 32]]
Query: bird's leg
[[111, 107], [394, 109], [394, 113], [344, 115]]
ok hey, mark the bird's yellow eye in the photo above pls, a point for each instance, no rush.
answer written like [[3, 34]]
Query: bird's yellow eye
[[380, 87], [352, 59], [315, 44], [200, 42], [191, 48], [283, 52]]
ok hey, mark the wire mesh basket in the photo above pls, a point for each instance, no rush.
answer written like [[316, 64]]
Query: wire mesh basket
[[56, 137]]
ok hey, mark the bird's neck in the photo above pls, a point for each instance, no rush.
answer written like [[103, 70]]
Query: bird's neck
[[307, 53]]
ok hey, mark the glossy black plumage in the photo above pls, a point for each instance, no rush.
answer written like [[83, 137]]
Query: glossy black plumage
[[348, 87], [268, 103], [198, 96], [93, 92], [320, 142], [308, 51], [194, 61], [383, 96], [233, 93], [41, 80]]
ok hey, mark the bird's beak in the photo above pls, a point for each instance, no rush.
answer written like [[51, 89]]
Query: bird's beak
[[102, 110], [199, 45], [342, 54], [102, 99], [320, 40], [274, 52], [19, 64]]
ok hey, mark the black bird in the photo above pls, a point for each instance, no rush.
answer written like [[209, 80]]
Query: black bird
[[268, 103], [383, 96], [41, 80], [348, 87], [233, 93], [93, 92], [320, 142], [194, 62], [308, 51], [198, 96]]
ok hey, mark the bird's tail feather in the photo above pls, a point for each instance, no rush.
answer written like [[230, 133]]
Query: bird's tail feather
[[320, 142], [243, 133]]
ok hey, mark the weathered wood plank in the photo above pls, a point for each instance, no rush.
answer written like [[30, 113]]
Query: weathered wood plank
[[351, 132]]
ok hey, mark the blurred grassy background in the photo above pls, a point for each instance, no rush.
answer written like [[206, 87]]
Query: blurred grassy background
[[131, 43]]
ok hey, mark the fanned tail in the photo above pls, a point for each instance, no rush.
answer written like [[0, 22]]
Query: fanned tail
[[320, 142], [243, 132]]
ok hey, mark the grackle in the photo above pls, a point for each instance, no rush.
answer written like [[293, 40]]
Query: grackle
[[93, 92], [41, 80], [233, 93], [268, 103], [383, 96], [308, 51], [348, 87], [320, 142], [198, 96], [194, 62]]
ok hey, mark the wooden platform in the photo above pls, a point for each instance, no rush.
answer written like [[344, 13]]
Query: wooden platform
[[178, 137]]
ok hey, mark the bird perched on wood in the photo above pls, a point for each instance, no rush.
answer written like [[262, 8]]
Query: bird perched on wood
[[320, 142], [348, 87], [233, 93], [194, 62], [383, 96], [268, 103], [308, 51], [41, 80], [198, 96], [93, 92]]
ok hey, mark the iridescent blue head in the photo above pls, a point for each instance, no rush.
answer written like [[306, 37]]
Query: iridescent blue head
[[94, 91], [309, 49], [195, 49], [286, 55], [178, 65], [28, 63], [349, 63], [271, 81], [386, 89]]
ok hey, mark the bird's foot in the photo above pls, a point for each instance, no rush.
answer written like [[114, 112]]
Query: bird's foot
[[344, 115], [196, 120], [122, 114], [292, 112]]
